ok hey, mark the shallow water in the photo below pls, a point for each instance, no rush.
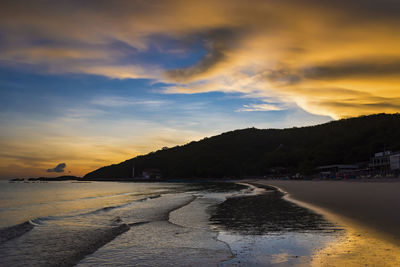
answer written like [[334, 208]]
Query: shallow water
[[283, 249], [266, 230], [64, 221], [21, 202], [154, 224], [264, 213]]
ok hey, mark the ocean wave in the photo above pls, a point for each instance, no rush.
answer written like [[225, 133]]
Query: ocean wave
[[70, 246], [15, 231], [66, 200], [42, 220], [251, 190], [147, 198]]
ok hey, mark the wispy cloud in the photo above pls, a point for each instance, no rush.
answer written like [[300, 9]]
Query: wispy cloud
[[81, 113], [117, 101], [260, 107]]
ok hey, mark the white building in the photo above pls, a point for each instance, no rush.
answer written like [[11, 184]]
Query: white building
[[395, 161], [386, 162]]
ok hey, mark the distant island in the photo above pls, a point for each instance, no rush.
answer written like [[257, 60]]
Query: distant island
[[59, 178], [78, 179], [346, 146]]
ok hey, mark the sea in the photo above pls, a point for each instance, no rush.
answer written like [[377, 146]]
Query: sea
[[73, 223]]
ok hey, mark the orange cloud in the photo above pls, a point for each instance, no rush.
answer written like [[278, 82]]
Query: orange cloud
[[297, 51]]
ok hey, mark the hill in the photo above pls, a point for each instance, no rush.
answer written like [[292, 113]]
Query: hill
[[257, 152]]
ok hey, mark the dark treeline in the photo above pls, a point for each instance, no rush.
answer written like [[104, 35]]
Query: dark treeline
[[255, 152]]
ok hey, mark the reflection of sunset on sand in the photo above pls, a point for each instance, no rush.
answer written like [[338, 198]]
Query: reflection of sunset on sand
[[359, 245]]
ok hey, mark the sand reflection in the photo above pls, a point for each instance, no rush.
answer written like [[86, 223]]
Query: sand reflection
[[357, 245]]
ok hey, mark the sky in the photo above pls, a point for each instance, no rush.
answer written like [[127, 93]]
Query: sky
[[84, 84]]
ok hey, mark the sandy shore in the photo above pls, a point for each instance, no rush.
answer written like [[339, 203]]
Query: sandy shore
[[374, 204], [369, 212]]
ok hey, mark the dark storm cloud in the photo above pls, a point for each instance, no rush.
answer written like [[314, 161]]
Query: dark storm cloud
[[59, 168], [357, 9], [282, 76], [217, 42], [370, 105], [354, 68], [213, 57]]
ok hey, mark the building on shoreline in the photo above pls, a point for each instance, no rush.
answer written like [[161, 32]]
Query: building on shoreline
[[338, 171], [151, 173], [395, 162], [385, 163], [382, 164], [146, 174]]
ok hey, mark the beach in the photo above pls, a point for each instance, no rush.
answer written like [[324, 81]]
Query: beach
[[257, 223], [367, 211], [157, 224], [375, 204], [108, 224]]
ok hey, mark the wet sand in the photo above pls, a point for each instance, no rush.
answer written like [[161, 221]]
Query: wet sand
[[367, 211], [375, 204], [266, 230]]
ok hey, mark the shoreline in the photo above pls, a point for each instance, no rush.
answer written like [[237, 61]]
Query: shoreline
[[362, 243], [255, 224], [263, 229], [372, 204]]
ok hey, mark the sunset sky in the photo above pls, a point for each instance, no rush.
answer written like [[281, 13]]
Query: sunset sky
[[90, 83]]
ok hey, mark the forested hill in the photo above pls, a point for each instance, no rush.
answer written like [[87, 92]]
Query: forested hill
[[253, 151]]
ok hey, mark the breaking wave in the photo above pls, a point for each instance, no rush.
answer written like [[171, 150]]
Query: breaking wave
[[15, 231]]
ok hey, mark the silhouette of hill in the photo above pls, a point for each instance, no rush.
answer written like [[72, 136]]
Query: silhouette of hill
[[257, 152]]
